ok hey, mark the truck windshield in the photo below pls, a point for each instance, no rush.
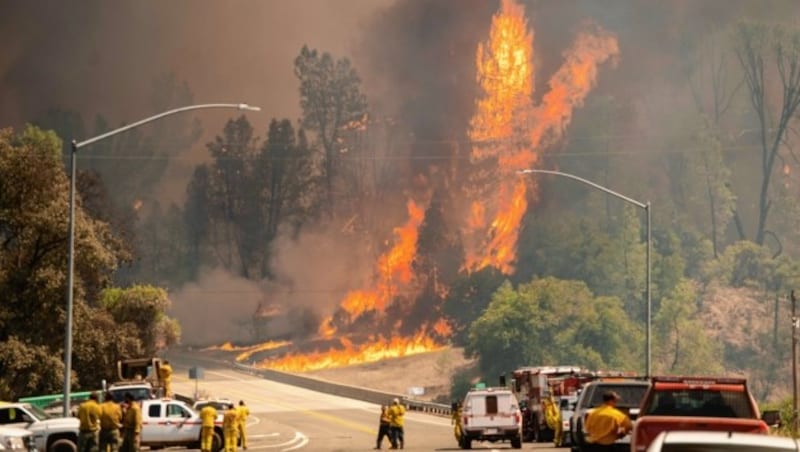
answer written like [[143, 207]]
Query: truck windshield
[[630, 395], [703, 403], [37, 412]]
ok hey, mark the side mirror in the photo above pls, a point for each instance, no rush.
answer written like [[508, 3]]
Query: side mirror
[[771, 418]]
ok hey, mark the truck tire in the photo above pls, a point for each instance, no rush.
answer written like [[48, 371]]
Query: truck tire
[[63, 445], [516, 442], [466, 442], [218, 443]]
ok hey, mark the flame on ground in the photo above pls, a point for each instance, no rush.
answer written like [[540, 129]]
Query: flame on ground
[[351, 354], [393, 270], [508, 130], [271, 345]]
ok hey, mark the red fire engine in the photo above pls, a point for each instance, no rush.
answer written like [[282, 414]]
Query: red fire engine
[[533, 385]]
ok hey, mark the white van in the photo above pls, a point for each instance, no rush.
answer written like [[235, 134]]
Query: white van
[[491, 414]]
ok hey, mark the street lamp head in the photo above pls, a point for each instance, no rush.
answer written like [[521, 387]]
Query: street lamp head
[[249, 107], [524, 171]]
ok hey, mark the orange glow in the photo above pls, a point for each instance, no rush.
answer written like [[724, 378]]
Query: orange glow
[[227, 346], [326, 328], [509, 132], [351, 354], [442, 327], [393, 269], [571, 83], [271, 345], [248, 350]]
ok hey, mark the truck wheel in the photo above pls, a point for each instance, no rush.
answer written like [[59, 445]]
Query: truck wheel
[[466, 443], [63, 445], [516, 442], [217, 443]]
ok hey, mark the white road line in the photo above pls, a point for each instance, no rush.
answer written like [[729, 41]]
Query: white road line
[[303, 441], [265, 435], [297, 437]]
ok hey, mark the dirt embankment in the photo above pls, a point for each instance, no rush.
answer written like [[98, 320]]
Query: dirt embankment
[[429, 371]]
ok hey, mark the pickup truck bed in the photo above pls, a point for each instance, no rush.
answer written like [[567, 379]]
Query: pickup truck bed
[[696, 403]]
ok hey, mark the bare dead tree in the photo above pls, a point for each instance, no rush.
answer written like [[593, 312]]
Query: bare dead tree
[[756, 46]]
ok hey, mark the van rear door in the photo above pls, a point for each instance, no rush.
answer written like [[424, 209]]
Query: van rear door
[[492, 410]]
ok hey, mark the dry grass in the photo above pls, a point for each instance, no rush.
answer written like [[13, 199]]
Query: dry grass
[[431, 371]]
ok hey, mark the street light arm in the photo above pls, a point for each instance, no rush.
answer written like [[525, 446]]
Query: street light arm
[[646, 207], [111, 133], [71, 227], [587, 182]]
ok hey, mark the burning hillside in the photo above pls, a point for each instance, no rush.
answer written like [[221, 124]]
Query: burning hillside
[[509, 132]]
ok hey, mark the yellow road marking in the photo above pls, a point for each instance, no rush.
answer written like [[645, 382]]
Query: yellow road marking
[[326, 417]]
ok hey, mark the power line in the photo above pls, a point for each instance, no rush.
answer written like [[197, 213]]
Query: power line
[[552, 154]]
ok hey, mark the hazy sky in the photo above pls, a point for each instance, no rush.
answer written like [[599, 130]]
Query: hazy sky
[[101, 57]]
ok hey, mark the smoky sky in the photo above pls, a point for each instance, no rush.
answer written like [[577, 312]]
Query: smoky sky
[[101, 57]]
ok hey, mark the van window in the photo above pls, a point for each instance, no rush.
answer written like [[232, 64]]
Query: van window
[[491, 404]]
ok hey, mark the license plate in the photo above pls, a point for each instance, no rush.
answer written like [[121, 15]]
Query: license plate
[[491, 431]]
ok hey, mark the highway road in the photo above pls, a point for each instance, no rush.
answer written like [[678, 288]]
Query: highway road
[[285, 418]]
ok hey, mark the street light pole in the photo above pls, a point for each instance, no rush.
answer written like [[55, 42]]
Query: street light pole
[[642, 205], [71, 229]]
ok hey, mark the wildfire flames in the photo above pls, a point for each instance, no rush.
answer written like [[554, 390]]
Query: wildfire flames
[[349, 354], [509, 132], [249, 350], [393, 269]]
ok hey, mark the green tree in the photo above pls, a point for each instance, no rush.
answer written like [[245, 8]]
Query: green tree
[[33, 218], [332, 101], [681, 344], [142, 309], [552, 321], [467, 299]]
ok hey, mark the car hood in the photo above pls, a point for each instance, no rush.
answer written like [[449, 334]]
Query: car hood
[[65, 423], [14, 432]]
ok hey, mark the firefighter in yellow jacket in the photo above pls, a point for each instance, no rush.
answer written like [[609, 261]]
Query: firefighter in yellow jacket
[[89, 416], [396, 433], [455, 420], [131, 425], [207, 417], [165, 375], [552, 417], [230, 422], [110, 423], [243, 413]]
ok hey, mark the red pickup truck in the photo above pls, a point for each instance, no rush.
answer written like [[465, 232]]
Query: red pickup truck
[[695, 403]]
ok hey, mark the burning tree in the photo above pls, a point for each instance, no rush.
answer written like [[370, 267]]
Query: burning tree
[[509, 132]]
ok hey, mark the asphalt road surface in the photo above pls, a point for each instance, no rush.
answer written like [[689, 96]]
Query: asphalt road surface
[[285, 418]]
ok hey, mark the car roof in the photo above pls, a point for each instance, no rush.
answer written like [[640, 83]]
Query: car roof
[[726, 438], [213, 401], [489, 391]]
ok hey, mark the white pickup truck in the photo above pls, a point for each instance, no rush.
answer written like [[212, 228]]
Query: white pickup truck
[[169, 422], [16, 439], [50, 434]]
